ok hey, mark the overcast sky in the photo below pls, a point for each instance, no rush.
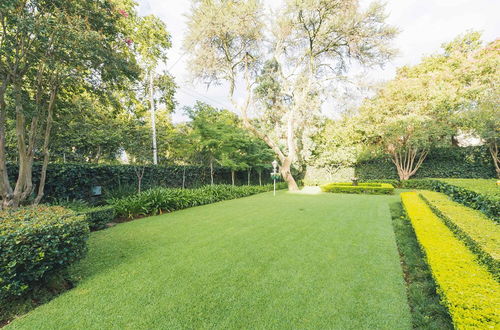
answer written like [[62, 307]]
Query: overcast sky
[[424, 26]]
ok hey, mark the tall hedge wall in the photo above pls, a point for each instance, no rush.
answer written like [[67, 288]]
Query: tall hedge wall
[[75, 181], [453, 162]]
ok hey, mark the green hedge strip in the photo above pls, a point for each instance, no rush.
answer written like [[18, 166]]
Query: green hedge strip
[[362, 188]]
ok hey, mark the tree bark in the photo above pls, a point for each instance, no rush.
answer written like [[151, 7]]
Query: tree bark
[[249, 171], [5, 187], [260, 176], [139, 171], [286, 173], [405, 162], [232, 177], [46, 151]]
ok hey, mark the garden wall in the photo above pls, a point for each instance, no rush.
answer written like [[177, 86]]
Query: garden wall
[[454, 162], [75, 181]]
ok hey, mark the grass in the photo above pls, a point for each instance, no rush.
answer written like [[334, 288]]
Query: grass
[[481, 186], [292, 261]]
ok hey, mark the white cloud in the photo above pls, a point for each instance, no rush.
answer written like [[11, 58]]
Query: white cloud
[[424, 25]]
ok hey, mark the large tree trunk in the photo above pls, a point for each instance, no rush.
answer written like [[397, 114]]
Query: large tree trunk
[[286, 173], [495, 155], [408, 162], [232, 177], [5, 187], [259, 171], [46, 152]]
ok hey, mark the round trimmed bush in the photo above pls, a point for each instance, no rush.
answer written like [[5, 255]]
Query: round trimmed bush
[[36, 243]]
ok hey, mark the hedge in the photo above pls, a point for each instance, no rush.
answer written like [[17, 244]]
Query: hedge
[[488, 204], [37, 243], [469, 291], [160, 200], [98, 217], [452, 162], [75, 181], [478, 232], [361, 188]]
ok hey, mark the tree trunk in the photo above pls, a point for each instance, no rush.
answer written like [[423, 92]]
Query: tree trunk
[[408, 162], [496, 159], [286, 173], [5, 187], [153, 116], [260, 176], [139, 171], [184, 177], [46, 152], [249, 171], [232, 177], [211, 172]]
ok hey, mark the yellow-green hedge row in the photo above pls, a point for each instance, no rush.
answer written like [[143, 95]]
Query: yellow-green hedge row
[[469, 291], [479, 233]]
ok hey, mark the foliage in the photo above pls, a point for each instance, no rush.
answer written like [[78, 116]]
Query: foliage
[[488, 204], [98, 217], [469, 291], [480, 186], [450, 162], [160, 200], [478, 232], [361, 188], [285, 79], [74, 181], [37, 243], [427, 311]]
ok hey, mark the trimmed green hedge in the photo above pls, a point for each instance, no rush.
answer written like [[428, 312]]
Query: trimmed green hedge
[[160, 200], [479, 233], [453, 162], [362, 188], [99, 217], [74, 181], [37, 243], [488, 204]]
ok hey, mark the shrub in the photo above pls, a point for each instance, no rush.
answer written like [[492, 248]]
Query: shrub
[[37, 243], [488, 204], [478, 232], [159, 200], [469, 291], [362, 188], [451, 162], [98, 217], [481, 186]]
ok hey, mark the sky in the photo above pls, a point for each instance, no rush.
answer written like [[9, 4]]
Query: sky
[[424, 26]]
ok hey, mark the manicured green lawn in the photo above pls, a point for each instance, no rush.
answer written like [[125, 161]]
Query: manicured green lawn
[[293, 261]]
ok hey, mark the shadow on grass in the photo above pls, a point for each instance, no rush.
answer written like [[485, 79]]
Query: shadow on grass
[[426, 309]]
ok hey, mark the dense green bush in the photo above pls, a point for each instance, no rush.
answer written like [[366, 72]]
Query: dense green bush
[[362, 188], [74, 181], [98, 217], [159, 200], [37, 243], [453, 162]]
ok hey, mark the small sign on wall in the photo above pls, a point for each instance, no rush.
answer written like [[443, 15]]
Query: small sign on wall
[[96, 190]]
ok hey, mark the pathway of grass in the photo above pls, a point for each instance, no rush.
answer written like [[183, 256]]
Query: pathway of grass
[[292, 261]]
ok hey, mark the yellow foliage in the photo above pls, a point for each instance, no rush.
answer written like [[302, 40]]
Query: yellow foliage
[[469, 291]]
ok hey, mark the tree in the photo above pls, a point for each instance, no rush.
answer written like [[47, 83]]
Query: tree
[[311, 44], [47, 49]]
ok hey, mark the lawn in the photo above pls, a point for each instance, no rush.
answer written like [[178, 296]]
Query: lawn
[[290, 261]]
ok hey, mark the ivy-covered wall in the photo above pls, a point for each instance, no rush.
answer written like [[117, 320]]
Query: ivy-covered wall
[[75, 181], [454, 162]]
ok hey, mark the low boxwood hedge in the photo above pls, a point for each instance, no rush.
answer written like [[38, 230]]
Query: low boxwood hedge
[[478, 232], [36, 243], [470, 292], [361, 188]]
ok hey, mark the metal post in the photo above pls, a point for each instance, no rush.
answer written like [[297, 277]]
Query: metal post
[[274, 193]]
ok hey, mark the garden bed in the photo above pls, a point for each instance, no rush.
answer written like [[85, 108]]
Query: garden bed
[[361, 188]]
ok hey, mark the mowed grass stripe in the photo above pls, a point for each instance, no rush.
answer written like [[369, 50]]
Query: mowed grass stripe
[[290, 261]]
